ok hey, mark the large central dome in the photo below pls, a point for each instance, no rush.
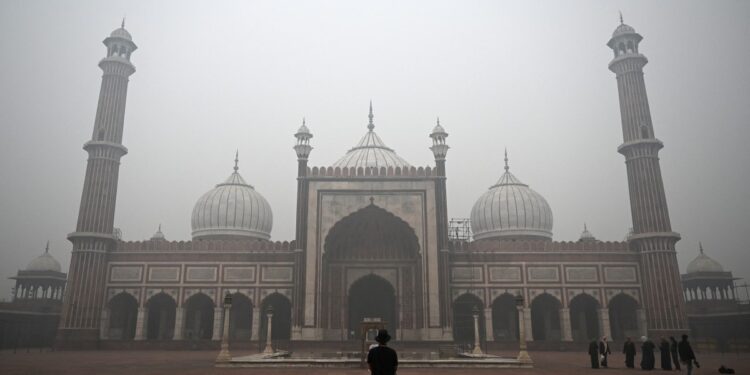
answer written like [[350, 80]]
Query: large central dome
[[232, 210], [511, 210], [371, 152]]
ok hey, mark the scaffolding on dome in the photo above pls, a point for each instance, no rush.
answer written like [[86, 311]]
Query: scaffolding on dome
[[459, 229]]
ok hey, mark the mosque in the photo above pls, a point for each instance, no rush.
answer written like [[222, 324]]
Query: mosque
[[373, 241]]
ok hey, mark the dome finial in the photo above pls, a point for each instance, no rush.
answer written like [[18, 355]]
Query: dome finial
[[700, 247], [159, 230], [584, 227], [236, 160], [506, 160], [122, 25], [46, 248], [370, 125], [621, 22]]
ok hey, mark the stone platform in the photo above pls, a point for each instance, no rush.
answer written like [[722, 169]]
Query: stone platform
[[261, 361]]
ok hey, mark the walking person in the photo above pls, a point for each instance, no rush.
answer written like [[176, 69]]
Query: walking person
[[647, 354], [381, 359], [629, 350], [675, 355], [666, 354], [594, 353], [687, 356], [604, 350]]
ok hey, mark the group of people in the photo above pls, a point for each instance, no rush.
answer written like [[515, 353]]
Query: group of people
[[671, 352]]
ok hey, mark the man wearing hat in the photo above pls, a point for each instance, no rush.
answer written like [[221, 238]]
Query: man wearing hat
[[382, 359]]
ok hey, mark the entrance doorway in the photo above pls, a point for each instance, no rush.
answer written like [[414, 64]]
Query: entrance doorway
[[372, 297]]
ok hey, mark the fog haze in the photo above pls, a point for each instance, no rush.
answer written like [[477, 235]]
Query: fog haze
[[215, 77]]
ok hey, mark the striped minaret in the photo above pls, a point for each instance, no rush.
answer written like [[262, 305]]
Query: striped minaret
[[652, 233], [93, 238]]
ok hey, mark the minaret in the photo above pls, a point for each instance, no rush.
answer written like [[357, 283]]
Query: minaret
[[302, 148], [440, 150], [93, 237], [652, 233]]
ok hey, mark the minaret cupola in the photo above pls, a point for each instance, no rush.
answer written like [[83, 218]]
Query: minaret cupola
[[119, 43]]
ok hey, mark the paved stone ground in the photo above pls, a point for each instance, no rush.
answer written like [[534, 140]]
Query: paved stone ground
[[201, 362]]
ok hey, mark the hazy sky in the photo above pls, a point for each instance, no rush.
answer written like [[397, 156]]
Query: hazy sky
[[215, 76]]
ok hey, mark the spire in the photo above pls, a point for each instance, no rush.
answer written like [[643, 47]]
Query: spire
[[303, 121], [370, 125], [700, 246], [159, 230], [621, 22], [122, 25], [46, 248], [584, 227], [236, 160], [438, 121], [506, 160]]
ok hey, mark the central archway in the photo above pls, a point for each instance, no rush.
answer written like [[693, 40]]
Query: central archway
[[371, 268], [372, 297]]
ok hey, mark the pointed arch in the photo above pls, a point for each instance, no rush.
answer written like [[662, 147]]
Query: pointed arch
[[123, 313], [464, 308], [545, 317]]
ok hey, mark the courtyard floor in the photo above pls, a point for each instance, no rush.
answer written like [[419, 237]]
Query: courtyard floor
[[201, 362]]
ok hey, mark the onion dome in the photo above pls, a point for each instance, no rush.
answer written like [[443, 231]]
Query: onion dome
[[511, 210], [44, 262], [158, 236], [623, 29], [121, 33], [232, 210], [702, 263], [371, 152], [586, 236]]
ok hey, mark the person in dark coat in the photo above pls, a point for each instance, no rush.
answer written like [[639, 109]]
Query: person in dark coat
[[647, 354], [381, 359], [629, 350], [666, 354], [594, 353], [675, 355], [604, 350], [686, 354]]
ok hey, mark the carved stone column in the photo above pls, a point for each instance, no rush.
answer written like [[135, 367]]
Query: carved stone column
[[642, 322], [140, 324], [565, 327], [104, 327], [218, 315], [604, 327], [256, 324], [488, 330], [527, 322], [179, 323]]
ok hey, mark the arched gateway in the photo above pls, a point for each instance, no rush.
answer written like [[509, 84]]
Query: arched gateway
[[371, 270]]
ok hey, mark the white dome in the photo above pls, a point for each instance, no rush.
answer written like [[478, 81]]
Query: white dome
[[623, 29], [159, 235], [510, 209], [703, 263], [44, 262], [586, 235], [121, 33], [371, 152], [233, 209]]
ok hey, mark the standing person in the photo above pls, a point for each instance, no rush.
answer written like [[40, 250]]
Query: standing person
[[666, 357], [686, 354], [629, 350], [647, 354], [604, 350], [381, 359], [673, 350], [594, 353]]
